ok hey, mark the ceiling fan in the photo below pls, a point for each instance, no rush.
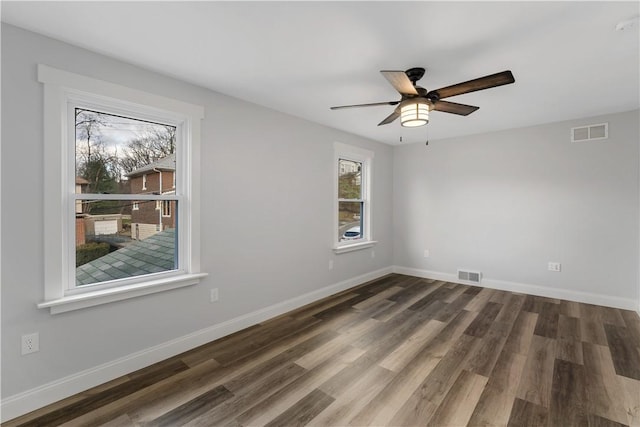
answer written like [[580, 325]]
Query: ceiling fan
[[416, 102]]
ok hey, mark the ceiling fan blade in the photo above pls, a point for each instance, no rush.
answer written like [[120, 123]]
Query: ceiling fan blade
[[391, 117], [486, 82], [454, 108], [400, 82], [366, 105]]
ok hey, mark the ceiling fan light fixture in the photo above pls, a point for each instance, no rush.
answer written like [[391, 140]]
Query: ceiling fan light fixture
[[413, 108], [414, 114]]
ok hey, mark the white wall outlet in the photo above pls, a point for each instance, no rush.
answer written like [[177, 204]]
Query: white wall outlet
[[30, 343], [555, 266], [426, 253], [214, 295], [330, 264]]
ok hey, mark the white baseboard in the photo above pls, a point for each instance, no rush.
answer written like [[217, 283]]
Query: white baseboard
[[543, 291], [30, 400]]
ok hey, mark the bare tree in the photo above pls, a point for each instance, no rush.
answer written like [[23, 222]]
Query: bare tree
[[87, 128], [157, 144], [94, 163]]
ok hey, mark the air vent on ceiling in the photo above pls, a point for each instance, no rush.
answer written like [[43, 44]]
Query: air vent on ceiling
[[590, 132], [469, 276]]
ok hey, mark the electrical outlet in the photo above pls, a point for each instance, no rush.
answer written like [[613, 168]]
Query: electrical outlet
[[555, 266], [214, 295], [426, 253], [30, 343], [330, 264]]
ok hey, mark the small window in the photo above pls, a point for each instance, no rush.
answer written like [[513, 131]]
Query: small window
[[353, 205], [166, 208], [350, 200], [144, 182], [135, 206]]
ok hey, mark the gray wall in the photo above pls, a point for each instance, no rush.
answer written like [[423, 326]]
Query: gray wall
[[507, 203], [267, 218], [504, 203]]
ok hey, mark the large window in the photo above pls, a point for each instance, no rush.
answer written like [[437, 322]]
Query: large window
[[121, 218], [353, 201], [118, 156]]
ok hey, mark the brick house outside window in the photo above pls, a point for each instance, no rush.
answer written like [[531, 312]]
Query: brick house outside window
[[151, 217]]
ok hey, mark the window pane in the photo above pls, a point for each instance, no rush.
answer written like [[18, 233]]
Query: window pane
[[350, 224], [349, 179], [122, 155], [121, 242]]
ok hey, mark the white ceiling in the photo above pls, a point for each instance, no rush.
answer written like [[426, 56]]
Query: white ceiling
[[303, 57]]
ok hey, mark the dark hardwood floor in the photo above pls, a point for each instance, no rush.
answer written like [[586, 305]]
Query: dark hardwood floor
[[398, 351]]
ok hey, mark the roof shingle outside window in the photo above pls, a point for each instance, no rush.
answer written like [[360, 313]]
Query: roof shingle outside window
[[155, 254]]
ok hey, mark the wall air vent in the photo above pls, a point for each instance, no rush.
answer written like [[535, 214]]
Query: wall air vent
[[590, 132], [469, 276]]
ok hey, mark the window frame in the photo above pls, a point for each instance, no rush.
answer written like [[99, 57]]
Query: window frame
[[62, 92], [365, 157]]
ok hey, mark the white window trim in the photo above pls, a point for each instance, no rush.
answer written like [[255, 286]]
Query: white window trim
[[144, 181], [60, 87], [344, 151], [90, 299], [350, 247]]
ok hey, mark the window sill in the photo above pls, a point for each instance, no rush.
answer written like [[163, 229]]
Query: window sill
[[354, 247], [105, 296]]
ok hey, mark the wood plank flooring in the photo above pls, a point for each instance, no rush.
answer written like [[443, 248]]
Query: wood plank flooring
[[398, 351]]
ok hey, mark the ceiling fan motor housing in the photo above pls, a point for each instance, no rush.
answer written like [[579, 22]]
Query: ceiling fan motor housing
[[415, 74]]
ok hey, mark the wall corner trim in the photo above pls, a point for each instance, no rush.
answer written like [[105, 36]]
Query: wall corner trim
[[30, 400]]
